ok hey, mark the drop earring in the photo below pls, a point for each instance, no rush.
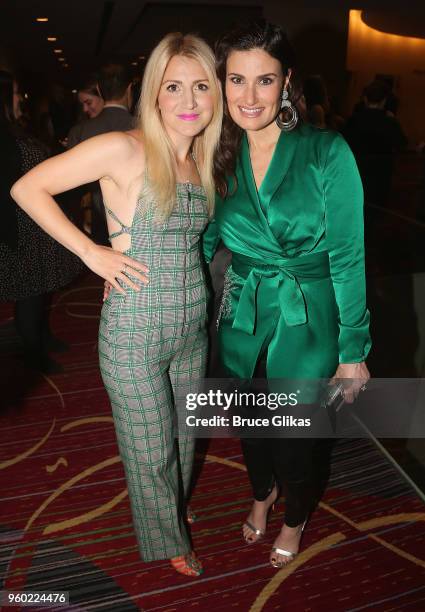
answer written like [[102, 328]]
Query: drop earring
[[286, 107]]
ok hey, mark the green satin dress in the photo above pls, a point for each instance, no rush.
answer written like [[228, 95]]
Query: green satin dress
[[296, 286]]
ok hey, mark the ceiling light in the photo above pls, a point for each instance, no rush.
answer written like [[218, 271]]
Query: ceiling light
[[51, 38], [134, 63], [61, 59], [74, 91], [42, 19], [141, 57], [57, 51]]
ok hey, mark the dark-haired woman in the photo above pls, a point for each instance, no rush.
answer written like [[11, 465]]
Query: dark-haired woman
[[90, 98], [31, 263], [291, 212], [92, 105]]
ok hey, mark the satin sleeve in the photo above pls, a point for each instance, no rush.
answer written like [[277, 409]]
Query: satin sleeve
[[345, 244], [210, 240]]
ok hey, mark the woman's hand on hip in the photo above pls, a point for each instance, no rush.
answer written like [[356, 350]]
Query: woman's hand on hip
[[353, 376], [114, 266]]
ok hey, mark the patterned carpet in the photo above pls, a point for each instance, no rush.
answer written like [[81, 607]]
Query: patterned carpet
[[65, 520]]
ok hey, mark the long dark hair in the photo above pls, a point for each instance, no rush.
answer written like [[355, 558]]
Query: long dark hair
[[250, 35], [90, 85], [6, 96], [10, 161]]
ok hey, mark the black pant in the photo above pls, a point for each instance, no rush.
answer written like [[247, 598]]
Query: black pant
[[299, 466], [287, 462]]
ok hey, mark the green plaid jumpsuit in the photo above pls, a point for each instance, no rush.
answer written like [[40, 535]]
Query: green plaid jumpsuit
[[152, 351]]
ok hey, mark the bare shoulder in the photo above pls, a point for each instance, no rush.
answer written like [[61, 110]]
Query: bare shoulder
[[115, 155], [105, 145], [135, 140], [121, 142]]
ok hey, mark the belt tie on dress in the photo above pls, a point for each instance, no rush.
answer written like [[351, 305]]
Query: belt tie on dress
[[284, 276]]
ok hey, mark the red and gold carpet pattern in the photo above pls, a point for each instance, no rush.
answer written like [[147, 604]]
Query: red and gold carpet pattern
[[65, 520]]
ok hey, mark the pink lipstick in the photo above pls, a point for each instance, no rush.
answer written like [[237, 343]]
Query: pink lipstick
[[188, 117]]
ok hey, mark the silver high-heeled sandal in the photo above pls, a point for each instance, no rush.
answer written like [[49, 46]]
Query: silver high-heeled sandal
[[259, 532], [285, 553]]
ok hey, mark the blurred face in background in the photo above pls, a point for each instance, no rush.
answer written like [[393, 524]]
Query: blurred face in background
[[91, 103]]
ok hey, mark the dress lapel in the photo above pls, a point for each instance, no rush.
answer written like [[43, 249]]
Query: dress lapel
[[247, 173], [279, 166], [246, 182]]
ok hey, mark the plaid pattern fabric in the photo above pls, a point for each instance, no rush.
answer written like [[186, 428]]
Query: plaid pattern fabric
[[152, 351]]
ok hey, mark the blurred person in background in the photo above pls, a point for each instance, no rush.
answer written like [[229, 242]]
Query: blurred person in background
[[315, 105], [47, 112], [114, 84], [392, 102], [89, 97], [32, 264], [375, 136], [91, 105]]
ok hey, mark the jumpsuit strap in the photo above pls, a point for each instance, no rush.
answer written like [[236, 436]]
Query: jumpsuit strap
[[125, 229]]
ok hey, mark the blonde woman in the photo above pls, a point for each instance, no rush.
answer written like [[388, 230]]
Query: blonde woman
[[158, 190]]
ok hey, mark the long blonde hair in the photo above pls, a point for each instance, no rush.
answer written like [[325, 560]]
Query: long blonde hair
[[160, 186]]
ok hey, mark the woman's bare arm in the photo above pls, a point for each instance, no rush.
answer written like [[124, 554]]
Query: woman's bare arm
[[94, 159]]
